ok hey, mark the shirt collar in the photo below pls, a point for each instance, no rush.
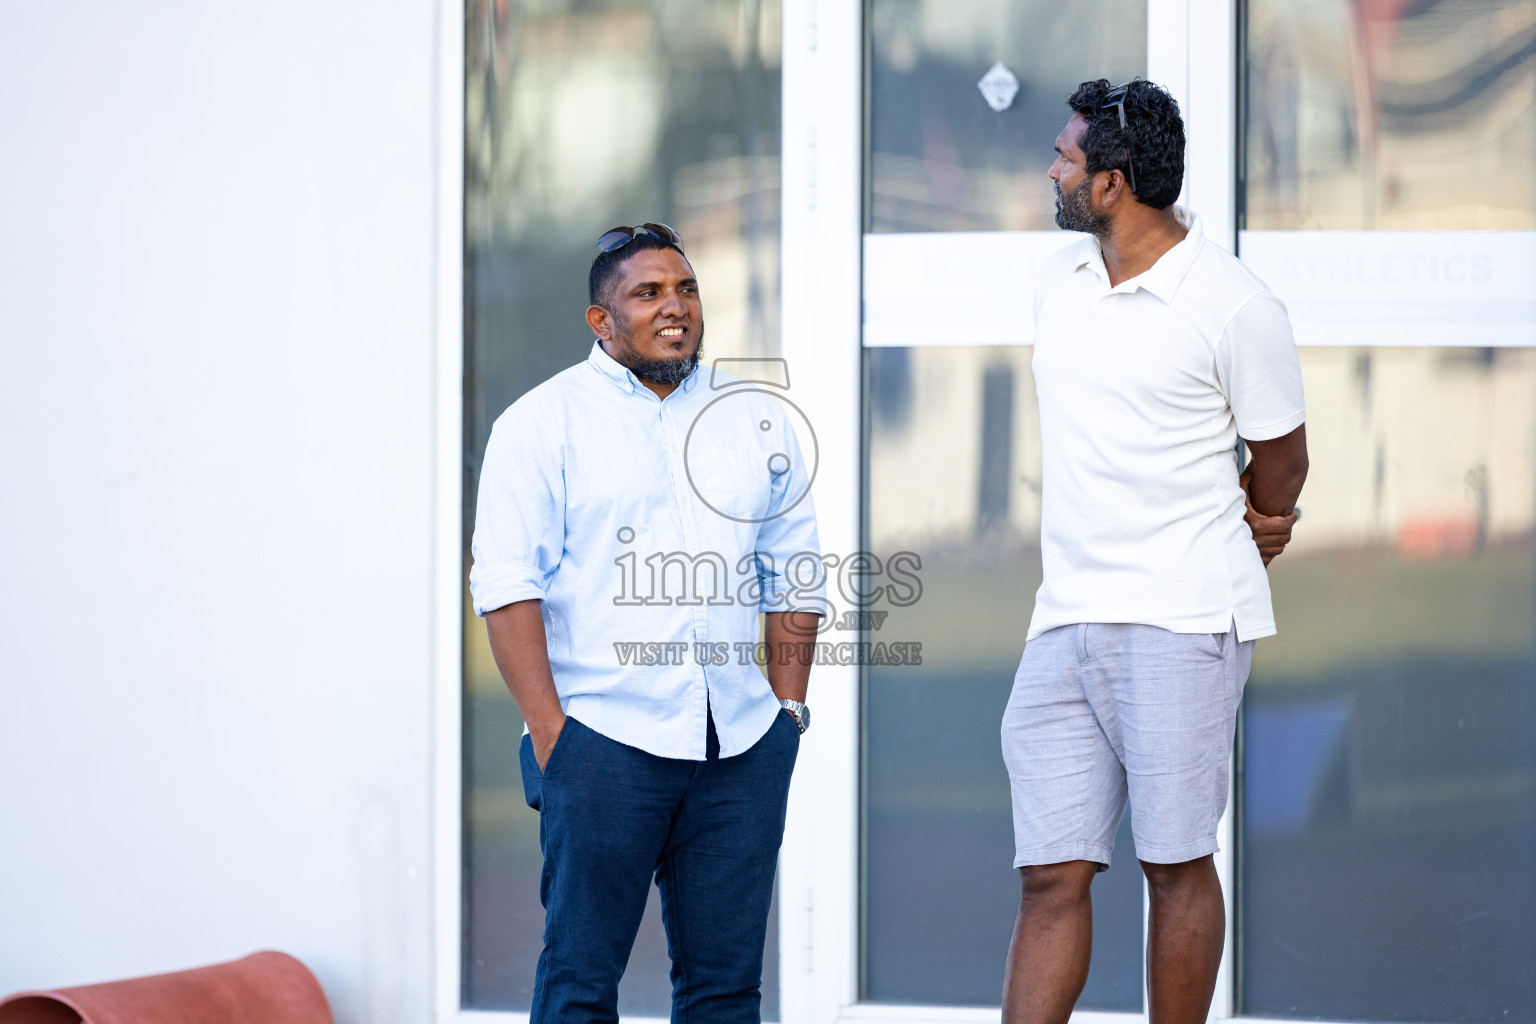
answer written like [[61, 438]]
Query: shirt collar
[[622, 376], [1163, 277]]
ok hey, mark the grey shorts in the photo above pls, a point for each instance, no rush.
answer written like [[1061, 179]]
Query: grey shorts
[[1100, 711]]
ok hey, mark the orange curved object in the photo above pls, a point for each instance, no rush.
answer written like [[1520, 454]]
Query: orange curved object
[[263, 988]]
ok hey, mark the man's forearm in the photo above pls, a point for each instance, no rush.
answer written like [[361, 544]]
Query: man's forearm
[[1275, 494], [791, 640], [1276, 472], [522, 655]]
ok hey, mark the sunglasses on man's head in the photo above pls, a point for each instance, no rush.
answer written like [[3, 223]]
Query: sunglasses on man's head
[[617, 238], [1116, 98]]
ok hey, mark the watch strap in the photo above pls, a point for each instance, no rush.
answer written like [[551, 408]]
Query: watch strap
[[797, 710]]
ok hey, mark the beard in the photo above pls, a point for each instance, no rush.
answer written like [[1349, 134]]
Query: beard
[[667, 372], [1074, 210]]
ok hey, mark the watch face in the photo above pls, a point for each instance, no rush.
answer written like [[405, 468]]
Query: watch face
[[804, 718]]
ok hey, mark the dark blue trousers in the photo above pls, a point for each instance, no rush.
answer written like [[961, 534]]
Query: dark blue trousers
[[612, 817]]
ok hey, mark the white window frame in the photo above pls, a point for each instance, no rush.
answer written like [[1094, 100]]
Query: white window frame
[[822, 189]]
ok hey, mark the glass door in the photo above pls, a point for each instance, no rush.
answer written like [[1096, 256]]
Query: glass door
[[963, 105], [1388, 836], [579, 115]]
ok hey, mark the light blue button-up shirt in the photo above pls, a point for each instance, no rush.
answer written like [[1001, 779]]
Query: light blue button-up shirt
[[653, 532]]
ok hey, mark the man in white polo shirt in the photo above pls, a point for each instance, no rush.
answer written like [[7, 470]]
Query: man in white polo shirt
[[1155, 351]]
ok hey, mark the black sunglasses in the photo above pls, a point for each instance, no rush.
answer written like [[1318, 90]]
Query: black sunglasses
[[1116, 98], [617, 238]]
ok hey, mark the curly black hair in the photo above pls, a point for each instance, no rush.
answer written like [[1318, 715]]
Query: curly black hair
[[604, 272], [1152, 141]]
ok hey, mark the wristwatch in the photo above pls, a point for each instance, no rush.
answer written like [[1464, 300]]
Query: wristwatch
[[801, 713]]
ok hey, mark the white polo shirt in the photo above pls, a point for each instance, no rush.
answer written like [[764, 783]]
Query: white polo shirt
[[1144, 389]]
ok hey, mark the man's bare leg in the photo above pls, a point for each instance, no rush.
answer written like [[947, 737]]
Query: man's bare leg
[[1052, 941], [1184, 942]]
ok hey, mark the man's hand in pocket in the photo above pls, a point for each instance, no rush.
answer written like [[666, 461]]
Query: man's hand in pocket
[[545, 735]]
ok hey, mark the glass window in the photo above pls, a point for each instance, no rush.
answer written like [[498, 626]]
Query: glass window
[[953, 464], [941, 158], [1387, 811], [964, 102], [1363, 114], [1388, 823], [580, 115]]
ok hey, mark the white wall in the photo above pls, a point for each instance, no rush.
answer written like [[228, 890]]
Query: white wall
[[216, 491]]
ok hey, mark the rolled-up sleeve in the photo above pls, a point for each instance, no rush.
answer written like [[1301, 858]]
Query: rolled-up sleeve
[[790, 573], [519, 514], [1259, 371]]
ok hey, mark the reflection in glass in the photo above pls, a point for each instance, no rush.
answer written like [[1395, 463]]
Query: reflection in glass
[[1388, 822], [953, 465], [580, 115], [1381, 114], [941, 159]]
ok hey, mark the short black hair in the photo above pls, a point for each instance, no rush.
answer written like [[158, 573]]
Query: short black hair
[[1152, 140], [606, 265]]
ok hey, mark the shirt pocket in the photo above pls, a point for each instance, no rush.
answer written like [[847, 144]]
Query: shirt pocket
[[729, 480]]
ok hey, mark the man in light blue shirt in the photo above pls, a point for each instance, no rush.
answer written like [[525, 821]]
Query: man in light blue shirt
[[635, 516]]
